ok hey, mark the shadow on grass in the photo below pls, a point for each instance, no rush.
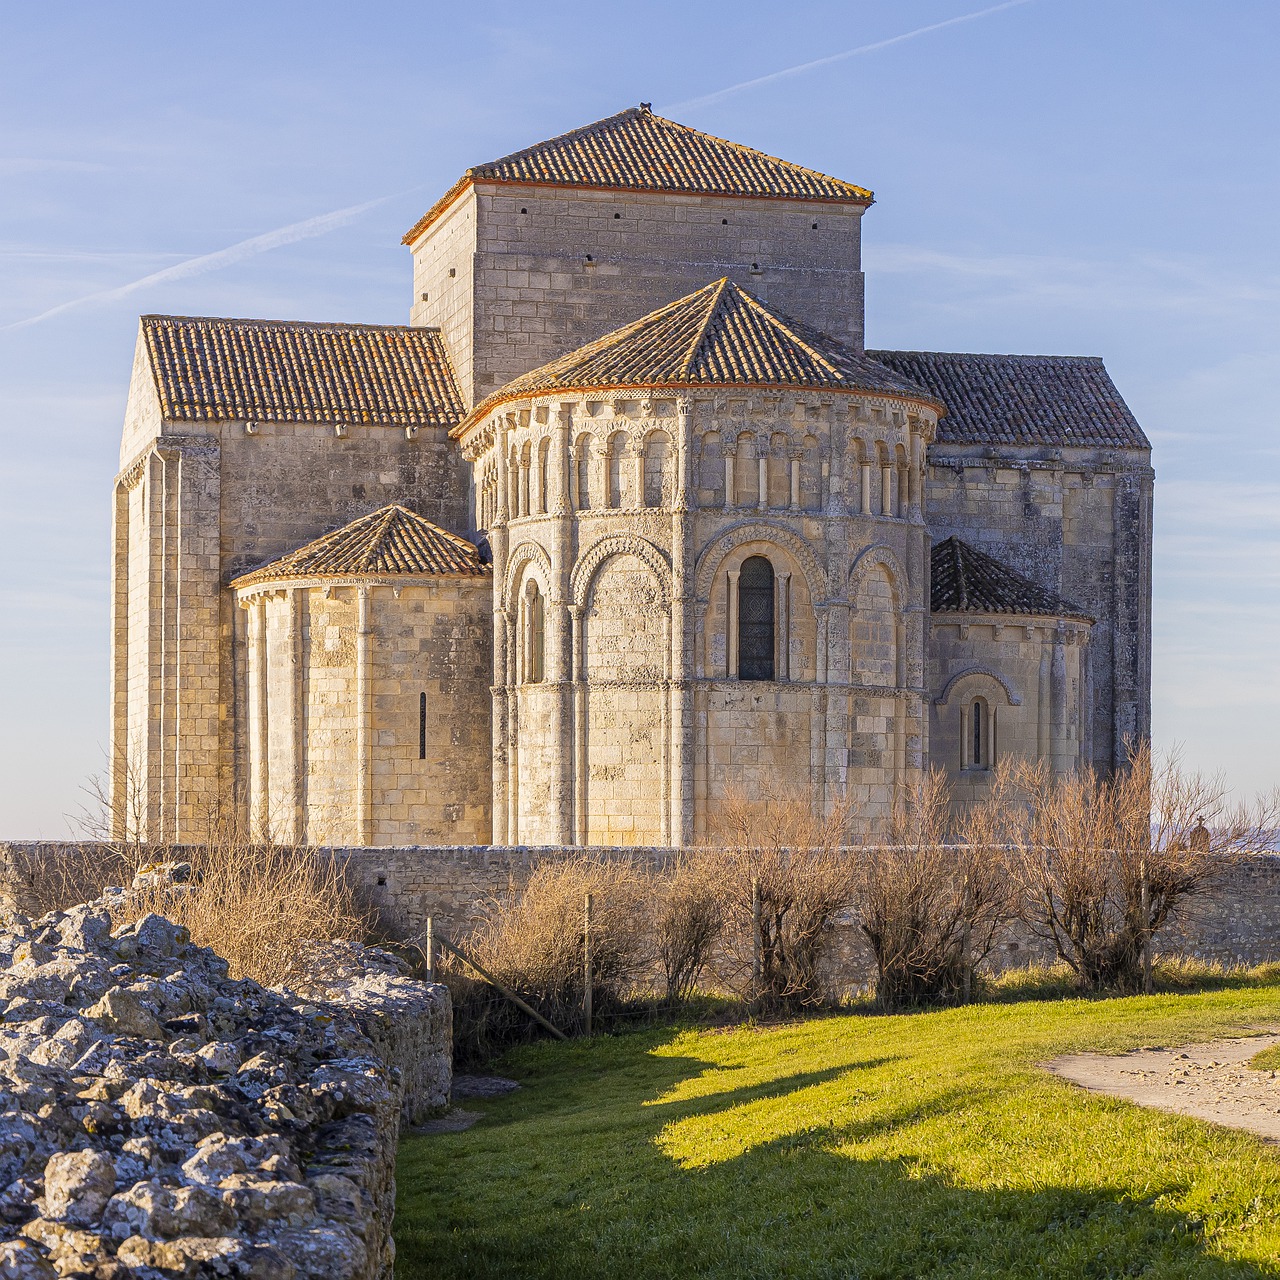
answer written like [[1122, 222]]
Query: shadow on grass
[[591, 1172]]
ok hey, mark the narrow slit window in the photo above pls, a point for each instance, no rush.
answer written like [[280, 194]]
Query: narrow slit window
[[980, 744], [537, 639], [422, 726]]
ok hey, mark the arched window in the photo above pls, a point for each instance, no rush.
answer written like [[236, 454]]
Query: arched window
[[535, 635], [979, 747], [755, 620]]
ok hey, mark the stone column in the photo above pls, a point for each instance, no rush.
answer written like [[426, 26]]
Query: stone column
[[865, 505], [783, 594], [822, 614], [498, 544], [290, 788], [683, 637], [559, 638], [795, 481], [730, 497], [1059, 745], [1042, 700], [762, 483], [914, 484], [364, 719], [500, 728], [259, 756], [637, 471], [579, 726], [731, 615]]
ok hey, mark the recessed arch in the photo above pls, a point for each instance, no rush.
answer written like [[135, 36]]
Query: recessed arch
[[619, 545], [879, 557], [978, 682], [766, 532], [527, 553]]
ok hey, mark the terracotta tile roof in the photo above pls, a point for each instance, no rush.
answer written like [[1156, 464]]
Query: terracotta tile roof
[[209, 370], [963, 579], [639, 151], [393, 540], [719, 336], [1051, 400]]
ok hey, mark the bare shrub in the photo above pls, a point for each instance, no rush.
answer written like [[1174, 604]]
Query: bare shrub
[[783, 876], [931, 910], [52, 879], [689, 916], [534, 944], [258, 905], [1105, 863]]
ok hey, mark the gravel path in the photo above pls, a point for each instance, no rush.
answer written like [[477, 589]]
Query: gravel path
[[1208, 1081]]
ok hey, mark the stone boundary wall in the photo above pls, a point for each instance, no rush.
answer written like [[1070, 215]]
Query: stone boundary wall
[[455, 883]]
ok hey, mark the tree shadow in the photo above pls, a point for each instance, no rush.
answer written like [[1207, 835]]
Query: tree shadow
[[596, 1178]]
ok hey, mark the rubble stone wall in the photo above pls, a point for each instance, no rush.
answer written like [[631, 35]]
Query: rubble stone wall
[[159, 1119]]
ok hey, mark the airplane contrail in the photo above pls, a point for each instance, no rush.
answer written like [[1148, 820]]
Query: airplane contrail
[[206, 262], [720, 94]]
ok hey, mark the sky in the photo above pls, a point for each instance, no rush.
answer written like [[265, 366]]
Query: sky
[[1093, 177]]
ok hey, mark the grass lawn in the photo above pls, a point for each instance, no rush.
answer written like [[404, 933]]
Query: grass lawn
[[923, 1145]]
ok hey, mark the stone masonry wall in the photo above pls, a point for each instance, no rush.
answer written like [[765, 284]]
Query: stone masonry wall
[[549, 269], [1078, 522], [454, 885], [1239, 925]]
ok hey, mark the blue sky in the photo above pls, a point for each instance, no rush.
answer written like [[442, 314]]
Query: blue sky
[[1070, 176]]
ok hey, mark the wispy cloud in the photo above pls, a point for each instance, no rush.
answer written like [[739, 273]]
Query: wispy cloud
[[1183, 284], [12, 166], [800, 68], [206, 262]]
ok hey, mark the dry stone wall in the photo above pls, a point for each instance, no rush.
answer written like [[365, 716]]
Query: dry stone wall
[[158, 1119]]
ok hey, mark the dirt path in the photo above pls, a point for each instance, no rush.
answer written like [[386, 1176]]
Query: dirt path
[[1208, 1081]]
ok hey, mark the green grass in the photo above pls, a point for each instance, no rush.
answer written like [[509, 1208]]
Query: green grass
[[1267, 1060], [926, 1145]]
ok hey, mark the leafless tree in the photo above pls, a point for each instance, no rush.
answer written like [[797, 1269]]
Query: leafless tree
[[784, 875], [1105, 863], [934, 897]]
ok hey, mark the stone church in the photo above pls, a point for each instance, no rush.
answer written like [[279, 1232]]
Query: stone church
[[626, 517]]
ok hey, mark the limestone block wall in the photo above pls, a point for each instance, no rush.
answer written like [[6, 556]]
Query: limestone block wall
[[550, 268], [623, 715], [369, 710], [1077, 521], [195, 505], [1029, 679]]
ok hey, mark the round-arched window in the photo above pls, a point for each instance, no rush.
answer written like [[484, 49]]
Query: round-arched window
[[755, 620]]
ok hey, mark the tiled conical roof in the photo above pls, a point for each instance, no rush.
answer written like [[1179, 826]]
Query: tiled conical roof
[[963, 579], [636, 150], [719, 336], [209, 369], [391, 541]]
